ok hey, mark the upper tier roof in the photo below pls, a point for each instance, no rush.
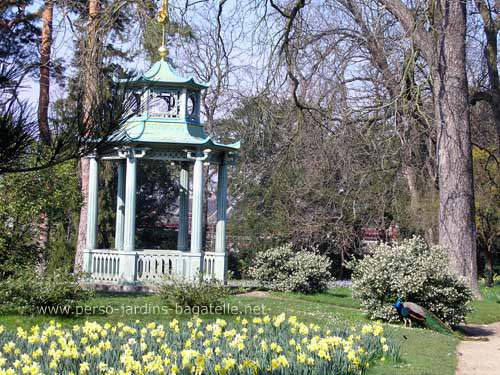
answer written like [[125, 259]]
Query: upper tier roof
[[166, 133], [150, 132], [161, 72]]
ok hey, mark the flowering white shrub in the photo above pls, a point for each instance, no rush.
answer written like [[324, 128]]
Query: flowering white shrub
[[283, 269], [414, 272]]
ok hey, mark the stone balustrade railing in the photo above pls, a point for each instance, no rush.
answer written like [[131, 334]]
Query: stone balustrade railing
[[105, 265], [152, 266]]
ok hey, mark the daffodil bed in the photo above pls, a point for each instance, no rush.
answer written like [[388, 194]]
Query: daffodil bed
[[264, 345]]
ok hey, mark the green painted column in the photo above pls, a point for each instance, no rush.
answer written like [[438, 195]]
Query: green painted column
[[128, 256], [182, 234], [130, 202], [92, 203], [120, 206], [197, 204], [220, 230], [197, 207]]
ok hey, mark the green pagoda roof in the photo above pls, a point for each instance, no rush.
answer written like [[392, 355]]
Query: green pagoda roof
[[174, 133], [162, 72], [162, 131]]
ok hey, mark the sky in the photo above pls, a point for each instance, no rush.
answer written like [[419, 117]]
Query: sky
[[249, 52], [61, 48]]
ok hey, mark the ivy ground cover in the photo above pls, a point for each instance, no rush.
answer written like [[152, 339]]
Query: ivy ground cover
[[262, 345]]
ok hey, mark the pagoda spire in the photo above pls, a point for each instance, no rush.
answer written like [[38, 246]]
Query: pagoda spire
[[163, 19]]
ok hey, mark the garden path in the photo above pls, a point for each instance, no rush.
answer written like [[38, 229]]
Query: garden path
[[480, 357], [255, 293]]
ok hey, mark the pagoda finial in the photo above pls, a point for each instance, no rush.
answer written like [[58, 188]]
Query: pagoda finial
[[163, 19]]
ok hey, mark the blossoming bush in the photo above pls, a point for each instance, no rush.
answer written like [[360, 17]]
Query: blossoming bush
[[283, 269], [199, 292], [414, 272], [264, 345], [24, 292]]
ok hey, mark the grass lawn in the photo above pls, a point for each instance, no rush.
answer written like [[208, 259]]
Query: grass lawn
[[488, 310], [423, 351]]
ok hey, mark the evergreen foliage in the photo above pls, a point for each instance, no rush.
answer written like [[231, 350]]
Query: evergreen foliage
[[24, 197], [487, 198], [20, 32], [25, 291], [62, 244], [157, 192]]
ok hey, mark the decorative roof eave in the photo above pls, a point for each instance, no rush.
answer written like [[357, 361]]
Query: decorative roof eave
[[193, 143], [230, 147], [162, 72]]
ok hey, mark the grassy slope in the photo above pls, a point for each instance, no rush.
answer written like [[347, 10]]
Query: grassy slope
[[428, 353], [488, 310], [338, 297], [423, 352]]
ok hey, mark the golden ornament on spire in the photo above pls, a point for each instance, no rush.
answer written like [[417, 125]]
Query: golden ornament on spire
[[163, 19], [163, 13]]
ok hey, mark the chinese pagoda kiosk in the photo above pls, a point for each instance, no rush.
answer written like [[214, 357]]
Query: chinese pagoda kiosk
[[165, 126]]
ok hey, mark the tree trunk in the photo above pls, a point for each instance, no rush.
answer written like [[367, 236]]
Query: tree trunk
[[457, 229], [411, 180], [491, 55], [44, 96], [82, 225], [43, 123], [444, 50], [42, 242], [488, 265], [491, 52], [91, 68], [431, 236], [495, 107]]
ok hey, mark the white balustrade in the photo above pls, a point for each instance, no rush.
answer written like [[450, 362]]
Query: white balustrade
[[154, 265], [209, 264], [105, 265], [151, 266]]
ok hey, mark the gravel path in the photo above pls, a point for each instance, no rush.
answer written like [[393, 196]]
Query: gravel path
[[480, 357]]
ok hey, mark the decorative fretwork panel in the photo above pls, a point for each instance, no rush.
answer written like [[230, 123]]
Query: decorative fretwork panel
[[167, 155], [192, 105], [165, 104], [139, 107], [159, 155]]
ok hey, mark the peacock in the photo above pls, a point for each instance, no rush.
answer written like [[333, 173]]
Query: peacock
[[411, 311]]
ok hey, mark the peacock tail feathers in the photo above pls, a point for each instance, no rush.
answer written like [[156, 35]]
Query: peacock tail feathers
[[434, 323], [418, 313]]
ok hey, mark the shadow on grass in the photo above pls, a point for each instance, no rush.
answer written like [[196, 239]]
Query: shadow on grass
[[336, 295]]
